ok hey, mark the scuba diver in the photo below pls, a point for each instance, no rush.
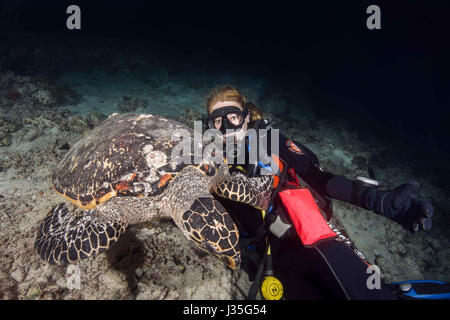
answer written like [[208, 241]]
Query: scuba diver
[[293, 240]]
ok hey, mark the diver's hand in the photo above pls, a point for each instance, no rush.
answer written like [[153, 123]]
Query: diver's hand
[[405, 207]]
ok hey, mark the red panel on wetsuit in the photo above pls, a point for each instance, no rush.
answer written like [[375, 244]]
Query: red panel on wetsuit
[[306, 216]]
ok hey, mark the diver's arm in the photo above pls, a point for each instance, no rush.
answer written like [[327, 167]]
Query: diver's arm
[[400, 204], [306, 165]]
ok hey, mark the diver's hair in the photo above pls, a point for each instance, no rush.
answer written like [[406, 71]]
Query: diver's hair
[[255, 112], [224, 93]]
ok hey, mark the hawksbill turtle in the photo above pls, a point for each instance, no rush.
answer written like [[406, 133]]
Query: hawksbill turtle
[[123, 173]]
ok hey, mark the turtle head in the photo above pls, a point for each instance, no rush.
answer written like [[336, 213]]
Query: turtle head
[[212, 229], [222, 173]]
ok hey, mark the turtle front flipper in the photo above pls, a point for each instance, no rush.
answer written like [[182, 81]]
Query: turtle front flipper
[[212, 229], [255, 191], [65, 238], [200, 217]]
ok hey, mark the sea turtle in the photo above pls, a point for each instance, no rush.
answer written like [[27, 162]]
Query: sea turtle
[[123, 172]]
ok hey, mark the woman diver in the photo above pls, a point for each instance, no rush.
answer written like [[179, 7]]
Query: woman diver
[[322, 266]]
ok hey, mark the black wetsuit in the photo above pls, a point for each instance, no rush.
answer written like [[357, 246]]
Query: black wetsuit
[[329, 270]]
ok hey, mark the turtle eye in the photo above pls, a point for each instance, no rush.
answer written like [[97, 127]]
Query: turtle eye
[[208, 169]]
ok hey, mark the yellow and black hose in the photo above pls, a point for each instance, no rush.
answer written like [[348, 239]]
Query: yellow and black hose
[[271, 288]]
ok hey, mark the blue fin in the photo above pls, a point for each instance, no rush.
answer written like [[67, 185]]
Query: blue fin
[[422, 289]]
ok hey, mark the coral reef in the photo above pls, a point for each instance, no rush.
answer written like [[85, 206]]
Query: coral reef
[[131, 104], [38, 91], [189, 117], [41, 119], [151, 261], [6, 129], [154, 260], [5, 139], [94, 118]]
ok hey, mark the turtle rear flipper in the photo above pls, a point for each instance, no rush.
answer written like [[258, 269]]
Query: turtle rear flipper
[[65, 238]]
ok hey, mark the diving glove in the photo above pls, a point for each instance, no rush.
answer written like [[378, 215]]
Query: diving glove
[[401, 205]]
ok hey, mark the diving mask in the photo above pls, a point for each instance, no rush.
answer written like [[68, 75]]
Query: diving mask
[[228, 117]]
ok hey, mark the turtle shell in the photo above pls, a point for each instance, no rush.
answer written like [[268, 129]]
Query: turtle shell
[[128, 154]]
